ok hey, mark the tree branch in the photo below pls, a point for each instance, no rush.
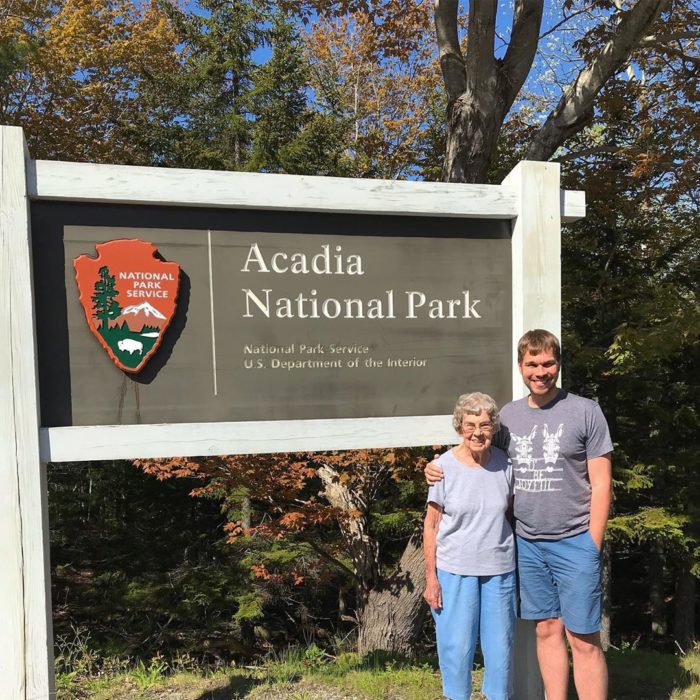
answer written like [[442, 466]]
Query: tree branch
[[334, 491], [563, 21], [575, 108], [451, 59], [596, 150], [527, 18], [655, 39], [331, 559], [680, 53]]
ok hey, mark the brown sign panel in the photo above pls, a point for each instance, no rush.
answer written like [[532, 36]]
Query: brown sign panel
[[279, 324]]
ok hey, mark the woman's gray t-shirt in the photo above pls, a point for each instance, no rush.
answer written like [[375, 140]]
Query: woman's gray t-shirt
[[474, 537]]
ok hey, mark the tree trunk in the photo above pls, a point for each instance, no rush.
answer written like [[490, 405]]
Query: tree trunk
[[605, 629], [390, 609], [684, 619], [246, 513], [471, 139], [392, 618], [481, 89], [657, 600], [355, 529]]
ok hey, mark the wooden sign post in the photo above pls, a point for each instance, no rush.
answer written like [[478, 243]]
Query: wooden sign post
[[26, 652]]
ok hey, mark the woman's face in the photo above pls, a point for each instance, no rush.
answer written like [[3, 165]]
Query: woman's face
[[477, 432]]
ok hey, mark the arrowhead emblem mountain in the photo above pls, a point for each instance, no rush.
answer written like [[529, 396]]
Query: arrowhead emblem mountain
[[144, 308], [139, 316]]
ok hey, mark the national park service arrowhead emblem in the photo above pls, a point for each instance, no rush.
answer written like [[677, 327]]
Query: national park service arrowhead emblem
[[129, 297]]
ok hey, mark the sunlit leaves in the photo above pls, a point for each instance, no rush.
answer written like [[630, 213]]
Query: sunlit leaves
[[75, 71], [380, 74]]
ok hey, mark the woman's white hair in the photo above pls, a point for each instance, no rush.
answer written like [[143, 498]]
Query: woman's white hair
[[473, 404]]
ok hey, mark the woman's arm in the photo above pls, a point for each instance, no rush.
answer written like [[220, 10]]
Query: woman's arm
[[433, 594]]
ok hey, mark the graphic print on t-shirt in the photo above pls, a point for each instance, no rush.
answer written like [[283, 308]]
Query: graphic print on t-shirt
[[537, 473]]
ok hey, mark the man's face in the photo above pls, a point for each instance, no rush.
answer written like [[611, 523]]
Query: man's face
[[540, 372]]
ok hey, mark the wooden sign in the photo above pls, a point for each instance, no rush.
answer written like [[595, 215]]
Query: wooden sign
[[268, 230]]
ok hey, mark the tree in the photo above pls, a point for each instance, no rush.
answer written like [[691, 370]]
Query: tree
[[71, 73], [104, 299], [331, 502], [207, 103], [279, 99], [632, 326], [482, 88], [380, 79]]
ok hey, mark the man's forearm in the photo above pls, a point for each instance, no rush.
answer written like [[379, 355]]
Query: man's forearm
[[600, 508], [600, 472]]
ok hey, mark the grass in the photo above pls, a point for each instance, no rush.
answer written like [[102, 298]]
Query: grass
[[648, 675], [376, 677], [294, 674], [312, 674], [691, 665]]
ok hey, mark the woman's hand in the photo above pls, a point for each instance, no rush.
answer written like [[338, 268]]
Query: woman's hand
[[433, 594], [433, 473]]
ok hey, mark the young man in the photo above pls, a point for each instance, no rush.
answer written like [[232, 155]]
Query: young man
[[560, 447]]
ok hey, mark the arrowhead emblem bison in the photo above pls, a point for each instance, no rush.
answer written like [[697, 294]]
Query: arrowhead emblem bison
[[129, 297]]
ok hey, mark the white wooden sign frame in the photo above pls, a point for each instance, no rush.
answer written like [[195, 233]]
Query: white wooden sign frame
[[530, 197]]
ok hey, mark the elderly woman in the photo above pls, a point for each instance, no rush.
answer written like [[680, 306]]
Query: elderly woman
[[470, 555]]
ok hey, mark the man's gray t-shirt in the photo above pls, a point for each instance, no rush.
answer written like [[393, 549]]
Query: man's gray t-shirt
[[549, 448], [474, 537]]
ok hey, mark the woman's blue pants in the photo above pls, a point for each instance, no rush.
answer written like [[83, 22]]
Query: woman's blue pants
[[476, 607]]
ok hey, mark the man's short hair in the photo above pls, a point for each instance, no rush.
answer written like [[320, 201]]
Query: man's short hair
[[536, 341]]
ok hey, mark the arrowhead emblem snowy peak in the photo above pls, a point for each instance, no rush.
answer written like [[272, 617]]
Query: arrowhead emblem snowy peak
[[144, 308]]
